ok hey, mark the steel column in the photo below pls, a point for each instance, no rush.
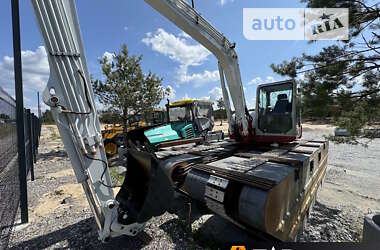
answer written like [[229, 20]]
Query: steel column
[[19, 110]]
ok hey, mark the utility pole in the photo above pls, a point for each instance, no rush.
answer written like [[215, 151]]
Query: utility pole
[[19, 110]]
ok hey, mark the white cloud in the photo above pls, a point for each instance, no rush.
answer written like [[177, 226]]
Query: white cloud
[[251, 103], [207, 98], [35, 74], [109, 56], [216, 93], [179, 49], [255, 81], [359, 80], [270, 79], [184, 35], [176, 48], [259, 80], [170, 92], [198, 78], [223, 2], [35, 70], [301, 76]]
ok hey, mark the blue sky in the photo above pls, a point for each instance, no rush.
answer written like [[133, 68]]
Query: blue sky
[[185, 65]]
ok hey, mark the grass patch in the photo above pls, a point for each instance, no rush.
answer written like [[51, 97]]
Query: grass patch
[[117, 178], [359, 234], [7, 129], [55, 136]]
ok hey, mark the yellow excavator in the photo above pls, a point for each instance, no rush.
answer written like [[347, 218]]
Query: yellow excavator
[[113, 133], [113, 136]]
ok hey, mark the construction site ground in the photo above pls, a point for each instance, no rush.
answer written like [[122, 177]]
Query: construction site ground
[[60, 217]]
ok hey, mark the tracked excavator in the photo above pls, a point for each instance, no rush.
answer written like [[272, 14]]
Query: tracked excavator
[[263, 178]]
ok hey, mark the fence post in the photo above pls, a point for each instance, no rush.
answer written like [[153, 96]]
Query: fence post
[[29, 118], [34, 138], [19, 110]]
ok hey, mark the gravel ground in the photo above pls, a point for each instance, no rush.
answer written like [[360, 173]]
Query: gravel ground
[[60, 216], [350, 190]]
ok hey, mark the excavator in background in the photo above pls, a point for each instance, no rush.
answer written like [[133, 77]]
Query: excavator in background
[[113, 134], [262, 178], [183, 119], [157, 116], [188, 120]]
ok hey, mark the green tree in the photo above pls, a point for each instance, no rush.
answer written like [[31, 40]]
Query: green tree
[[47, 117], [220, 104], [4, 116], [221, 113], [126, 90], [342, 80], [110, 118]]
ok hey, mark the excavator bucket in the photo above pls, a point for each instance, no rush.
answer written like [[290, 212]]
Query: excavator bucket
[[147, 190]]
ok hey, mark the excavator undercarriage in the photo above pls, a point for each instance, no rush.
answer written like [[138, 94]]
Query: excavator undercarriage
[[259, 188]]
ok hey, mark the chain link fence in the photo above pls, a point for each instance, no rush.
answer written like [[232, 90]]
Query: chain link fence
[[9, 166], [9, 178]]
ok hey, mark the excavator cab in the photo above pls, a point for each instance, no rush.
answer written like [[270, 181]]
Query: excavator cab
[[197, 112], [186, 119], [277, 117]]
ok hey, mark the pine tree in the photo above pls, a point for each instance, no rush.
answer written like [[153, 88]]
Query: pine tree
[[343, 80], [126, 89]]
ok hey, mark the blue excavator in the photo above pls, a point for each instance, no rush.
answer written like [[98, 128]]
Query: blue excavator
[[186, 119]]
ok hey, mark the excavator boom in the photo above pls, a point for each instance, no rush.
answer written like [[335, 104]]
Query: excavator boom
[[191, 22], [70, 97]]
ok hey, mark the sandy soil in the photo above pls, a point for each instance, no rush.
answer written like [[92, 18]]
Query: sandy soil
[[60, 216], [351, 188], [307, 127], [221, 126]]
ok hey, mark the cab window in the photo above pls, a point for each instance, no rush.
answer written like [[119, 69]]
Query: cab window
[[182, 113], [275, 108], [204, 110]]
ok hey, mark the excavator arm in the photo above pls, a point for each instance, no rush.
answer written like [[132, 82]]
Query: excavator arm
[[70, 97]]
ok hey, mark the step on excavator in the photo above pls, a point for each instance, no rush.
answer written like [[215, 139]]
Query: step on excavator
[[263, 178]]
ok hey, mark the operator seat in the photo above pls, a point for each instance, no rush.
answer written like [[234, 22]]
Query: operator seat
[[282, 104], [279, 121]]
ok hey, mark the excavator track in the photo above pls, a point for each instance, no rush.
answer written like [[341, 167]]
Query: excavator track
[[260, 188]]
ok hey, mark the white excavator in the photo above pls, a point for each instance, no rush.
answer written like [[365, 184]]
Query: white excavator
[[262, 178]]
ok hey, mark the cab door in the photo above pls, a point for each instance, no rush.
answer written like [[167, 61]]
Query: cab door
[[275, 119], [204, 116]]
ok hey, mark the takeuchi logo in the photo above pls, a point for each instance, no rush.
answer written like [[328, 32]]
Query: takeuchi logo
[[327, 24]]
